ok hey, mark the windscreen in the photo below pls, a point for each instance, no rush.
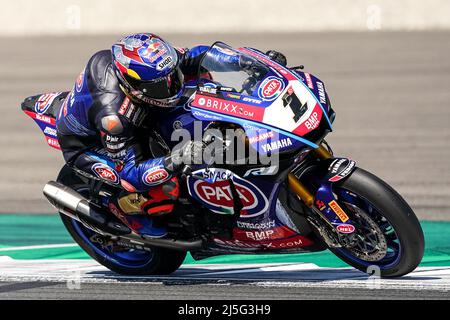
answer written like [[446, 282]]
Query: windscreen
[[225, 67]]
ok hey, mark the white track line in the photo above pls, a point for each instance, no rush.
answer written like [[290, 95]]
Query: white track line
[[46, 246]]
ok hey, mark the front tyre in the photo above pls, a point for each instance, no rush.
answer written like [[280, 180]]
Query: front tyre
[[376, 207]]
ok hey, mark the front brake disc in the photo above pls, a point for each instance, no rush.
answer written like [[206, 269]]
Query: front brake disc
[[368, 241]]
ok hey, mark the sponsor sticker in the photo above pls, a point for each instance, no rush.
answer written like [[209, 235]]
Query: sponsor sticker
[[208, 89], [293, 242], [154, 176], [289, 243], [336, 164], [251, 100], [321, 90], [313, 121], [105, 172], [45, 101], [344, 173], [213, 175], [111, 139], [309, 82], [154, 51], [345, 228], [256, 225], [264, 171], [261, 235], [124, 107], [41, 117], [338, 210], [79, 82], [233, 96], [270, 88], [50, 131], [164, 64], [320, 204], [52, 142], [45, 119], [261, 137], [218, 196], [277, 145], [310, 123], [228, 107]]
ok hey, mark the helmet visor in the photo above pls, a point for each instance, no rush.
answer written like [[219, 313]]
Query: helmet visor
[[161, 88]]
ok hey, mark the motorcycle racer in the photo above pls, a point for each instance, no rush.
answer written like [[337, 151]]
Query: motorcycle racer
[[105, 124]]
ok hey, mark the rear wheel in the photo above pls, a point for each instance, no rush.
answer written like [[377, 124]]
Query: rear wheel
[[117, 258]]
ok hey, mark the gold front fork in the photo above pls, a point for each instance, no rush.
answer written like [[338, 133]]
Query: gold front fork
[[298, 187]]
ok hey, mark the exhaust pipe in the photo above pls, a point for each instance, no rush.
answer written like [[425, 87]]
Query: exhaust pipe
[[74, 205]]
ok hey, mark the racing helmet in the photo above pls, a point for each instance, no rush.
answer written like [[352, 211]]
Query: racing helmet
[[148, 69]]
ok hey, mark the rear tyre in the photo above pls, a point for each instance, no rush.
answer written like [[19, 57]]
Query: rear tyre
[[158, 261]]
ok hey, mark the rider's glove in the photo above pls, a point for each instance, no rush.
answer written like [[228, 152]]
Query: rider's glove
[[247, 63], [190, 154], [253, 67], [277, 57]]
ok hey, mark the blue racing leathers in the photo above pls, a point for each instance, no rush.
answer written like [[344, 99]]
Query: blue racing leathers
[[106, 135]]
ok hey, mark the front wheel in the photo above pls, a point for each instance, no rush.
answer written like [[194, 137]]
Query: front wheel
[[387, 237]]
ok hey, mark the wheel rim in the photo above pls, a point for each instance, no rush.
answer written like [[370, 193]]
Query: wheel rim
[[390, 249], [128, 258]]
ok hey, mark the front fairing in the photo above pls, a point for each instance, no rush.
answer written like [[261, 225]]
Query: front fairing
[[281, 111]]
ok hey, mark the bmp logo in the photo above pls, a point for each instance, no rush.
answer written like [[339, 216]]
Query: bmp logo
[[313, 121]]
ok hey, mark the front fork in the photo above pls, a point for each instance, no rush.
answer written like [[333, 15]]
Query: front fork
[[324, 202]]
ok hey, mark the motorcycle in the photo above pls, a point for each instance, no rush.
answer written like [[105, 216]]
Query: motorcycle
[[308, 200]]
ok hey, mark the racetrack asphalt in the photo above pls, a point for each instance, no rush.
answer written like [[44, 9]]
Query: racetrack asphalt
[[390, 92], [78, 279]]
